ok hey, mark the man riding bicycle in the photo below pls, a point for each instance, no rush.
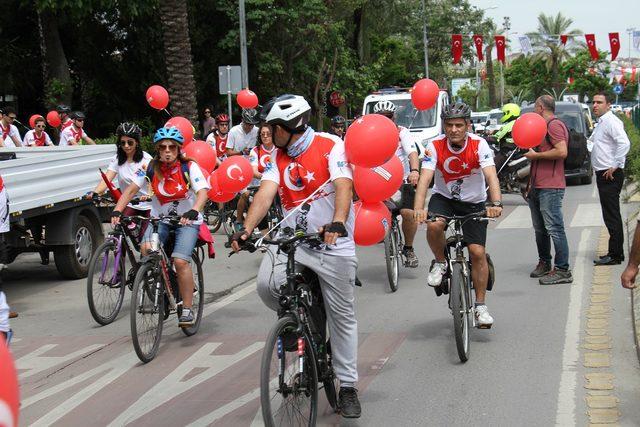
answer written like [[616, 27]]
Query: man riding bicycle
[[338, 125], [408, 155], [460, 162], [310, 172], [179, 188], [218, 137]]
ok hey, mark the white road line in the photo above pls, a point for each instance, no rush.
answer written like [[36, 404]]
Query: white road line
[[587, 215], [520, 217], [565, 415], [594, 193]]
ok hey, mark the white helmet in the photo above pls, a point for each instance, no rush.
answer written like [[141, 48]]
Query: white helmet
[[290, 111], [384, 107]]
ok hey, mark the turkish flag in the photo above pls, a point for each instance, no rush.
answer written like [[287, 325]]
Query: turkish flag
[[456, 47], [591, 44], [563, 39], [614, 41], [500, 46], [477, 40]]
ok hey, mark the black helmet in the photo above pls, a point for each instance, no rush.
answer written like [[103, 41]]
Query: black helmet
[[250, 116], [338, 120], [78, 115], [292, 112], [131, 130], [62, 108], [457, 110]]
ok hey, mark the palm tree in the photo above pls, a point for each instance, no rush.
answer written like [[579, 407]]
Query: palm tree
[[178, 61], [547, 46]]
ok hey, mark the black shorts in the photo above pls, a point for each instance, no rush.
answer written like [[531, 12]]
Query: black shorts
[[408, 193], [475, 232]]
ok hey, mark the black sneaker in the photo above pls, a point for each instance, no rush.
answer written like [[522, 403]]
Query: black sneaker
[[186, 319], [349, 403], [542, 269], [410, 255]]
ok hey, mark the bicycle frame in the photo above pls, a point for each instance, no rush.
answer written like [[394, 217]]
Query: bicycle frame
[[123, 244]]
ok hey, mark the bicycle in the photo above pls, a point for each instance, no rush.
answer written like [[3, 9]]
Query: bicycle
[[156, 294], [457, 280], [225, 215], [393, 245], [106, 294], [297, 355], [274, 214]]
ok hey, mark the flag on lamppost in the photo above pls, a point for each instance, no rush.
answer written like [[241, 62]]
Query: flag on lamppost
[[500, 47], [563, 39], [614, 42], [636, 40], [525, 44], [456, 47], [591, 44], [477, 40]]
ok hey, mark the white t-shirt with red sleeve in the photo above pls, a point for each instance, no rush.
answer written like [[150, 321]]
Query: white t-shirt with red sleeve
[[458, 172], [32, 139], [8, 133], [406, 146], [71, 134], [323, 161]]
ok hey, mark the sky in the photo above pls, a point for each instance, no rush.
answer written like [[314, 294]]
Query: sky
[[589, 16]]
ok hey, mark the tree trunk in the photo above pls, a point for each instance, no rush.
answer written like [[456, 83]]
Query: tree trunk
[[493, 103], [178, 61], [360, 41], [55, 65]]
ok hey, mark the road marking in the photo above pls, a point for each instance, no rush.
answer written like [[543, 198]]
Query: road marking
[[565, 414], [594, 193], [519, 218], [34, 362], [587, 215]]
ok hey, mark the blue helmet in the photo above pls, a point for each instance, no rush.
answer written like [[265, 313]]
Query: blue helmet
[[172, 133]]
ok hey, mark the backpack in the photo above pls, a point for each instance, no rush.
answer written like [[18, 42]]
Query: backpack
[[576, 148]]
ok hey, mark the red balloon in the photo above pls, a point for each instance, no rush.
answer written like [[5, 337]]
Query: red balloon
[[202, 153], [424, 94], [371, 140], [215, 193], [379, 183], [184, 126], [9, 391], [234, 174], [53, 118], [373, 221], [529, 130], [32, 120], [247, 98], [157, 97]]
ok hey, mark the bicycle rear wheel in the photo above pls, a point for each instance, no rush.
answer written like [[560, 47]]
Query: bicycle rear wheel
[[460, 310], [330, 381], [147, 311], [214, 216], [392, 257], [198, 295], [106, 283], [288, 377]]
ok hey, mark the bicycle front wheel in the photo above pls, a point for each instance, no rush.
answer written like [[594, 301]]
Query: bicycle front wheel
[[392, 258], [147, 311], [106, 283], [460, 310], [288, 377], [198, 295]]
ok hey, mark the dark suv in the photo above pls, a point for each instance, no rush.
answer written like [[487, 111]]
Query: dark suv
[[574, 118]]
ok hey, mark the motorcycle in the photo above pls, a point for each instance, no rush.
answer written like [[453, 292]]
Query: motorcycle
[[512, 167]]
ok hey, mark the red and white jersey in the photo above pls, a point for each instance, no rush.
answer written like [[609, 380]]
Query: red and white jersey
[[261, 157], [68, 122], [219, 143], [32, 139], [8, 133], [458, 173], [71, 135], [323, 161]]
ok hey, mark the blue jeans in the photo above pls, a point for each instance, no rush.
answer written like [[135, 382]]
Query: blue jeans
[[546, 214], [186, 239]]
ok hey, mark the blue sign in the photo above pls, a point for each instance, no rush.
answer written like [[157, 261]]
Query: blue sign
[[617, 89]]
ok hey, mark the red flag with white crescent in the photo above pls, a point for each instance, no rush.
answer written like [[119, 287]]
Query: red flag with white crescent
[[500, 47], [563, 39], [591, 44], [477, 40], [456, 47], [614, 41]]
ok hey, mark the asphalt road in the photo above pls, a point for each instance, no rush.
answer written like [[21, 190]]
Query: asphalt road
[[525, 371]]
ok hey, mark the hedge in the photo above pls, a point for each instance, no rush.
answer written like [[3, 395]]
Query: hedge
[[632, 167]]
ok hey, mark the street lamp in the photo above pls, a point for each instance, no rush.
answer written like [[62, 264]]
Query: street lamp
[[630, 32]]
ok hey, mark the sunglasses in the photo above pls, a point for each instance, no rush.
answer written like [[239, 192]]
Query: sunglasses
[[127, 143], [223, 124], [164, 147], [79, 120], [207, 112], [11, 117], [39, 126], [266, 135]]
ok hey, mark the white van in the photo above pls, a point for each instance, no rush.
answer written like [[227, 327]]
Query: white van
[[424, 125]]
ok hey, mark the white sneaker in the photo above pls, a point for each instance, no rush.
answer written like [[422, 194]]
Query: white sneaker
[[483, 318], [435, 274]]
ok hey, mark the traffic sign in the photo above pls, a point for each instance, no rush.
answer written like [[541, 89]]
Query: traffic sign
[[617, 89], [230, 79]]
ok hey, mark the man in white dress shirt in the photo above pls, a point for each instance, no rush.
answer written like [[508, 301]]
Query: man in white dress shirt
[[609, 145]]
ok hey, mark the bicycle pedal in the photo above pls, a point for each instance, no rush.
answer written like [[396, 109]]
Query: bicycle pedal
[[483, 326]]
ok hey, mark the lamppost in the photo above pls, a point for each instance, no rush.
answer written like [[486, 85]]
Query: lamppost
[[506, 25], [630, 32], [243, 45]]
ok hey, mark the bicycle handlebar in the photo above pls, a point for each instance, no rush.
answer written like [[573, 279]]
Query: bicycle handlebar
[[473, 215]]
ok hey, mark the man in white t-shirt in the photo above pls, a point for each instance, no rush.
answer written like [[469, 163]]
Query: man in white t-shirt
[[8, 131], [460, 162], [37, 137], [75, 134]]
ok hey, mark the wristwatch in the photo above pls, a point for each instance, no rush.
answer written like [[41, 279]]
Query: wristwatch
[[414, 170], [497, 204]]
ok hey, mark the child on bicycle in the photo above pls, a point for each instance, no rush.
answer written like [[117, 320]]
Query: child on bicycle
[[178, 189]]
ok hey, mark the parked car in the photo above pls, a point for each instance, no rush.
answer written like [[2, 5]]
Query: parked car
[[478, 120], [574, 116], [493, 125], [616, 108]]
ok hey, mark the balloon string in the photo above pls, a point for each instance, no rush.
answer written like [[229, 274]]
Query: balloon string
[[259, 241], [20, 123], [413, 118], [168, 112]]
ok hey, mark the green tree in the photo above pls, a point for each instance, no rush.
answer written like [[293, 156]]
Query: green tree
[[588, 77]]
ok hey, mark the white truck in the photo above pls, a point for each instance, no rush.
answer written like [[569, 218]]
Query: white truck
[[48, 212], [424, 125]]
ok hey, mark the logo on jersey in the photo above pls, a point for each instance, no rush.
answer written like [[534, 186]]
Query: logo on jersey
[[296, 176]]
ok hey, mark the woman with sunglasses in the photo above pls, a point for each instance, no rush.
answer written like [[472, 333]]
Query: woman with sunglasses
[[178, 188], [37, 137], [208, 123], [128, 163], [260, 157]]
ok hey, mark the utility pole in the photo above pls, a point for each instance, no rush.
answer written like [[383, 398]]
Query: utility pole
[[243, 46], [425, 40], [506, 25], [630, 32]]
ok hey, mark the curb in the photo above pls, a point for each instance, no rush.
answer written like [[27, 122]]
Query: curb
[[631, 190]]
